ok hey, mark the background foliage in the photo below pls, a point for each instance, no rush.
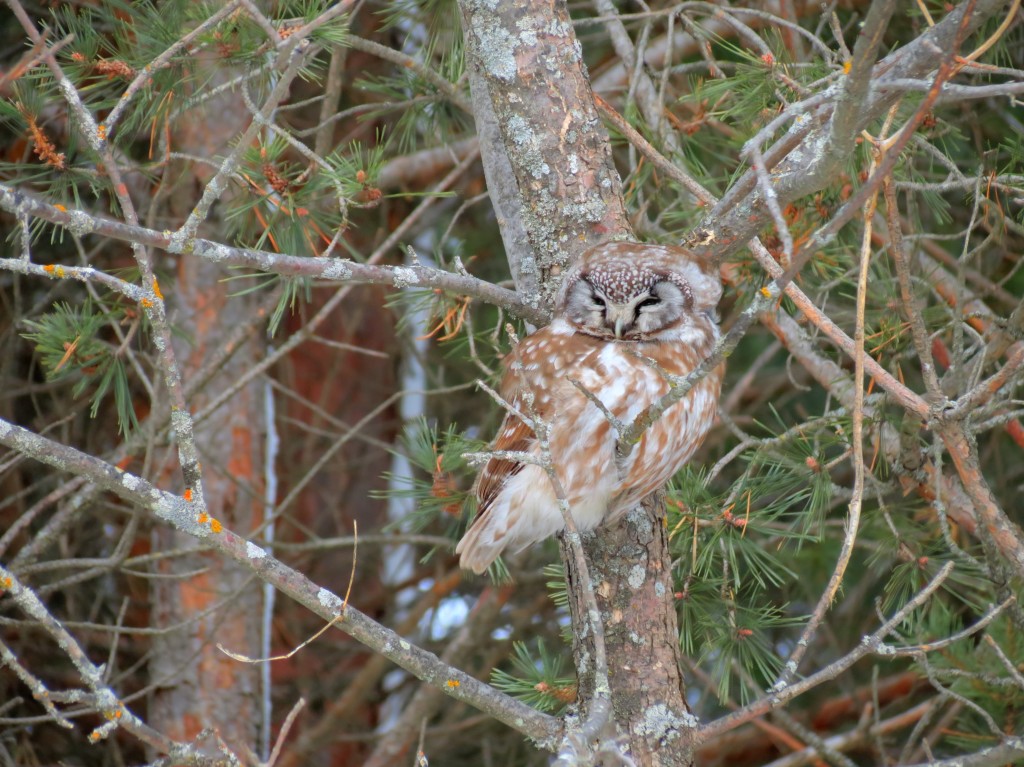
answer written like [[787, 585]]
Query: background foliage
[[353, 406]]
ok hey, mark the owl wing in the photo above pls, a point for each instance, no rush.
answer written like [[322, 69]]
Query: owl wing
[[541, 356], [514, 436], [535, 354], [487, 536]]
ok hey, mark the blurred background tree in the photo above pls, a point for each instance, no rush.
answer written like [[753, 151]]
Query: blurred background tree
[[259, 256]]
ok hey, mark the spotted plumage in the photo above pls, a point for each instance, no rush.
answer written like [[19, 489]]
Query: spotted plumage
[[625, 316]]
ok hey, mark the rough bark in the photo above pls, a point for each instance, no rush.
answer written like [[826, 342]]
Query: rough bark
[[528, 55], [571, 199], [202, 599], [631, 571]]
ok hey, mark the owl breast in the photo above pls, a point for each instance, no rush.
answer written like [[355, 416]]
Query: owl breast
[[517, 503]]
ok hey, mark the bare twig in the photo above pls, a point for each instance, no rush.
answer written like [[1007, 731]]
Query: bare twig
[[103, 698], [872, 643], [13, 201], [182, 515]]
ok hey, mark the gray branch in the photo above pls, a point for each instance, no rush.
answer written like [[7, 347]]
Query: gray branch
[[541, 728]]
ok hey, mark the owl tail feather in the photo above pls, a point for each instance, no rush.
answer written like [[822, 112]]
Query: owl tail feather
[[481, 545]]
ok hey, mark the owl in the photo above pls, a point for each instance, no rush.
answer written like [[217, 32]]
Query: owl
[[625, 316]]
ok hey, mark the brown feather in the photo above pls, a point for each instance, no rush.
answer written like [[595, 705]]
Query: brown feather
[[626, 364], [515, 436]]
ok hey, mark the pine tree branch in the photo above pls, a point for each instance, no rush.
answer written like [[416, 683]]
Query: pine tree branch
[[290, 60], [848, 116], [317, 737], [182, 515], [144, 76], [799, 162], [1005, 533], [873, 643], [852, 525], [641, 86], [103, 699], [408, 62], [967, 499], [395, 741], [332, 269], [1009, 751], [95, 135], [680, 388]]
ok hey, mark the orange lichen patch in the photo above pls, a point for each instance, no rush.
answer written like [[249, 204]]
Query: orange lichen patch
[[203, 519], [453, 683], [101, 132], [6, 583], [188, 494], [847, 66], [61, 208], [94, 736], [766, 292], [156, 290], [146, 303], [216, 526], [54, 270]]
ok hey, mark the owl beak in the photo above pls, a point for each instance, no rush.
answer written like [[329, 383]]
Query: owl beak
[[620, 318]]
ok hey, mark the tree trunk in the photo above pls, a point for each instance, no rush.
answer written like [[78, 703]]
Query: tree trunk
[[200, 600], [561, 159], [631, 570]]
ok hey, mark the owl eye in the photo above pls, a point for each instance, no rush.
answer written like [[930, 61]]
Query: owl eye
[[652, 301]]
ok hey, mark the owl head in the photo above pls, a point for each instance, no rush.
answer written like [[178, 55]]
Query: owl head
[[628, 291]]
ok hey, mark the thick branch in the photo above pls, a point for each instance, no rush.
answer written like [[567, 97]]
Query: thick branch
[[541, 728], [530, 59], [334, 269], [799, 161]]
